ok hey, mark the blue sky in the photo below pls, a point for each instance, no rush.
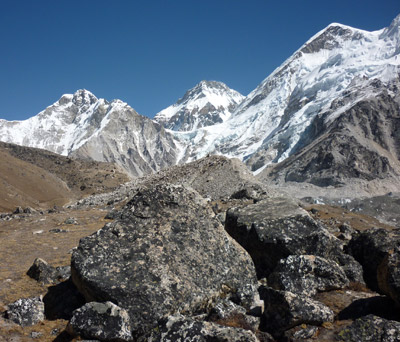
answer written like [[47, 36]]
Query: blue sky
[[148, 53]]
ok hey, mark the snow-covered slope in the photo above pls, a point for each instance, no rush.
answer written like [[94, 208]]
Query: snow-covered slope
[[85, 126], [208, 103], [268, 125]]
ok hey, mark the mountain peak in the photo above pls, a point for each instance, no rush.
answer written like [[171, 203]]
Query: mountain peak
[[331, 37], [207, 103], [211, 84], [83, 97], [393, 31]]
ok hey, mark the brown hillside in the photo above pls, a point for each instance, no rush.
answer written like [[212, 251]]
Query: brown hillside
[[38, 178]]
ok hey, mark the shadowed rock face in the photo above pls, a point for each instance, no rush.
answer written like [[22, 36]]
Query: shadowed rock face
[[284, 310], [167, 253], [275, 228], [370, 249], [361, 143]]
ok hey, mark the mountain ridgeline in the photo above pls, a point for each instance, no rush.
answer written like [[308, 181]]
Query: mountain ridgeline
[[328, 116]]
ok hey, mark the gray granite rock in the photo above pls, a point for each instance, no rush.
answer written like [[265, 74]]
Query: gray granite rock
[[285, 310], [26, 311], [180, 328], [307, 274], [370, 329], [275, 228], [101, 321], [167, 253]]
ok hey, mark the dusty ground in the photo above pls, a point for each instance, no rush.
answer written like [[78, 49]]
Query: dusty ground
[[23, 240]]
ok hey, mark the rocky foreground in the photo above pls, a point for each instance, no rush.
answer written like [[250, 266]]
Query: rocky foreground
[[204, 252]]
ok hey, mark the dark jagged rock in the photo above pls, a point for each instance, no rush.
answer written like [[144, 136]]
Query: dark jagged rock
[[58, 230], [371, 328], [226, 312], [42, 272], [47, 274], [71, 220], [389, 275], [285, 310], [102, 321], [275, 228], [18, 210], [63, 272], [167, 253], [370, 248], [307, 274], [351, 267], [180, 328], [26, 311], [248, 297]]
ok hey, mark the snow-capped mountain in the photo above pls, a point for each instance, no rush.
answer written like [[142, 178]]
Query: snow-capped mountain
[[82, 125], [335, 102], [208, 103], [270, 124]]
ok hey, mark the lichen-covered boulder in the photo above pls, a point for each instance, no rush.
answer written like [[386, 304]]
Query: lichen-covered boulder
[[370, 329], [389, 275], [180, 328], [370, 248], [284, 310], [307, 274], [26, 311], [101, 321], [166, 253], [275, 228]]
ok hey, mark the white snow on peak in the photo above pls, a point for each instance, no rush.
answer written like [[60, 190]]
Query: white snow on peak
[[65, 125], [207, 103], [212, 118], [274, 116]]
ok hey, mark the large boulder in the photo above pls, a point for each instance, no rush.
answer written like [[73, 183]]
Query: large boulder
[[370, 248], [180, 328], [369, 329], [275, 228], [101, 321], [285, 310], [166, 253], [389, 275], [307, 274]]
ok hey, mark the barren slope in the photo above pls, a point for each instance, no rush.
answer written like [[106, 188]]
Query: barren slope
[[39, 179]]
